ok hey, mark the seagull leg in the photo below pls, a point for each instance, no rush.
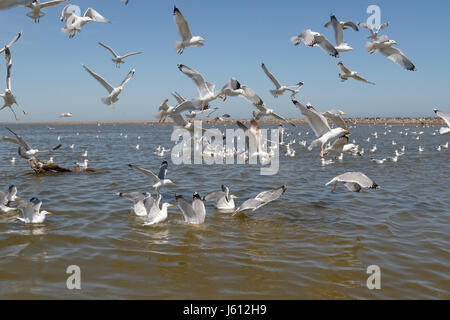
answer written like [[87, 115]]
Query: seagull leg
[[23, 110], [321, 151], [334, 187], [15, 115]]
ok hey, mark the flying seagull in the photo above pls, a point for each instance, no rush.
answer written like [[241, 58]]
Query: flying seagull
[[66, 115], [261, 199], [231, 89], [354, 181], [224, 201], [194, 213], [118, 60], [341, 45], [446, 118], [160, 179], [113, 92], [373, 34], [74, 22], [258, 103], [36, 7], [384, 45], [312, 39], [279, 88], [29, 152], [187, 40], [350, 74], [31, 211], [320, 126]]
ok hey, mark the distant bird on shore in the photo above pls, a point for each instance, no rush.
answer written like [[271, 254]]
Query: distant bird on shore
[[113, 92], [118, 60], [350, 74], [187, 40], [36, 6]]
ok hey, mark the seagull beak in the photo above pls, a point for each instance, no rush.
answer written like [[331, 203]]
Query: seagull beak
[[48, 212], [263, 201], [346, 131], [171, 205], [234, 197], [17, 197]]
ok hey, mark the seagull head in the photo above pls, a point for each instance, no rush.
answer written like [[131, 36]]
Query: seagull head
[[196, 196]]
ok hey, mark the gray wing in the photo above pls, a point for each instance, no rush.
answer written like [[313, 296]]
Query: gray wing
[[336, 118], [178, 97], [271, 77], [338, 31], [316, 121], [91, 13], [384, 25], [132, 196], [203, 87], [109, 49], [102, 81], [3, 199], [215, 196], [8, 67], [182, 25], [232, 84], [339, 143], [20, 140], [398, 57], [444, 116], [366, 26], [149, 203], [307, 37], [351, 25], [148, 173], [11, 42], [271, 195], [252, 97], [326, 46], [356, 177], [51, 3], [250, 204], [128, 77], [186, 208], [199, 208]]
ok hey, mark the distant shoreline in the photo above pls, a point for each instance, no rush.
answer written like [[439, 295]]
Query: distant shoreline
[[377, 120]]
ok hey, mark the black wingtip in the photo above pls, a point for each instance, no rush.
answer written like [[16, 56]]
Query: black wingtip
[[175, 10], [435, 110], [130, 165], [164, 162], [284, 188]]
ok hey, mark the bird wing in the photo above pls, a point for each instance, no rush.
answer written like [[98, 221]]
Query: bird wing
[[133, 196], [338, 31], [185, 207], [250, 204], [128, 77], [145, 171], [185, 106], [359, 78], [66, 12], [20, 140], [162, 171], [366, 26], [271, 77], [178, 119], [444, 116], [50, 150], [91, 13], [8, 67], [182, 25], [307, 37], [232, 84], [252, 97], [202, 87], [343, 68], [339, 143], [356, 177], [109, 49], [336, 118], [178, 97], [11, 42], [316, 121], [51, 3], [242, 126], [149, 203], [131, 54], [398, 57], [351, 25], [271, 195], [199, 207], [102, 81], [275, 115], [326, 46], [384, 25], [215, 196]]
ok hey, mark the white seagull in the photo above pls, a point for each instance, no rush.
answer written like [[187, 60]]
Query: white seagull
[[341, 45], [354, 181], [29, 152], [279, 88], [31, 211], [312, 39], [157, 214], [350, 74], [187, 40], [160, 179], [113, 92], [118, 60], [74, 22], [142, 202], [36, 7], [224, 201], [446, 118], [384, 45]]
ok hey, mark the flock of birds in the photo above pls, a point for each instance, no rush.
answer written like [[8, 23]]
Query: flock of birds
[[328, 138]]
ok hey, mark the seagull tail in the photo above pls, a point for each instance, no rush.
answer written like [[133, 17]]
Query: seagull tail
[[106, 101], [274, 93], [296, 40], [179, 47]]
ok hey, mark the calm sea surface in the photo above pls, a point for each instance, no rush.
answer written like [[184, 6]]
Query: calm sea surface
[[310, 244]]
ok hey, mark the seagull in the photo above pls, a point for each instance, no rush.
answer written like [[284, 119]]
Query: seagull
[[261, 199], [350, 74], [341, 45], [7, 198], [258, 103], [157, 214], [446, 118], [187, 40], [381, 161], [74, 22], [341, 146], [12, 160], [373, 34], [30, 152], [223, 200], [421, 149], [31, 211], [8, 97], [344, 25], [82, 165], [279, 88], [354, 181], [160, 179], [118, 59], [36, 7], [113, 92], [205, 89], [320, 126], [384, 45], [142, 202], [312, 39], [231, 89], [65, 115], [194, 213]]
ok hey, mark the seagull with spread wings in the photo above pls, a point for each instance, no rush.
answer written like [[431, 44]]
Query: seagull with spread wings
[[354, 181], [279, 88], [36, 6], [194, 213], [261, 199], [29, 151], [8, 97], [187, 40], [31, 211], [346, 74], [157, 213], [160, 179], [231, 89], [313, 39], [446, 118], [74, 22], [113, 92], [373, 33], [320, 126], [118, 60], [385, 46], [142, 202], [223, 200], [341, 45], [258, 103]]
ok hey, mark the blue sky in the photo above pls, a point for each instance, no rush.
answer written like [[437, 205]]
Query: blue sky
[[48, 77]]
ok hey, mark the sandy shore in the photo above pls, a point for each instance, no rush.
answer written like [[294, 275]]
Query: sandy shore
[[392, 121]]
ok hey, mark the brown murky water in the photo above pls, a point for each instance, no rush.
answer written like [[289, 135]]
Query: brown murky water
[[310, 244]]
